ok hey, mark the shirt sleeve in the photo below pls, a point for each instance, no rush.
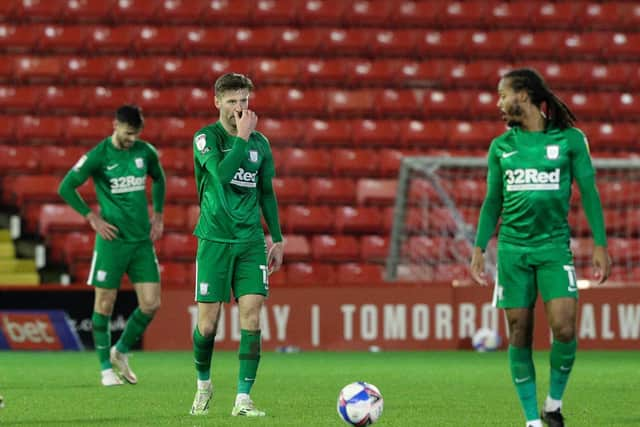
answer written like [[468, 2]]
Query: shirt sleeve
[[209, 156], [156, 172], [580, 157], [492, 205], [85, 167]]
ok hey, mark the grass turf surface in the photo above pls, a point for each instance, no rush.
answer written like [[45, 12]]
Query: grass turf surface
[[300, 389]]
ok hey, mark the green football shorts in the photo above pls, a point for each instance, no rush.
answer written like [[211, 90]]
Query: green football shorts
[[113, 258], [224, 267], [523, 271]]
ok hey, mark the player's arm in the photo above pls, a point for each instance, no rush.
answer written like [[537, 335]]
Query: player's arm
[[584, 175], [269, 207], [158, 191], [228, 166], [67, 189], [489, 215]]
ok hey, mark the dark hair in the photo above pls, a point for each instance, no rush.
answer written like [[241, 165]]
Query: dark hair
[[557, 113], [131, 115], [232, 81]]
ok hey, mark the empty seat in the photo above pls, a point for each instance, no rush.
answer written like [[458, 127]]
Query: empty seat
[[623, 45], [337, 248], [20, 99], [416, 13], [609, 76], [326, 12], [152, 39], [440, 42], [345, 41], [297, 41], [180, 12], [77, 247], [177, 274], [608, 16], [451, 273], [376, 191], [542, 44], [269, 101], [177, 246], [19, 159], [554, 15], [615, 135], [473, 134], [38, 129], [282, 132], [176, 161], [197, 99], [489, 44], [181, 189], [38, 11], [391, 159], [625, 106], [277, 71], [275, 12], [350, 162], [330, 132], [349, 103], [592, 105], [159, 101], [374, 248], [306, 274], [104, 39], [58, 217], [369, 73], [82, 70], [106, 99], [132, 70], [134, 10], [325, 71], [386, 43], [86, 11], [367, 133], [358, 219], [211, 41], [303, 101], [253, 41], [332, 190], [476, 74], [482, 104], [19, 38], [174, 217], [446, 104], [61, 99], [296, 248], [37, 69], [290, 189], [236, 12], [298, 161], [87, 130], [582, 45], [424, 133], [403, 102], [309, 219], [62, 39], [359, 274], [60, 159]]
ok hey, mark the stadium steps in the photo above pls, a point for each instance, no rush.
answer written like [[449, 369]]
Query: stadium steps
[[13, 271]]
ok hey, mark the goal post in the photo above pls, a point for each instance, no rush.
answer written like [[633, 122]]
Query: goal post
[[437, 206]]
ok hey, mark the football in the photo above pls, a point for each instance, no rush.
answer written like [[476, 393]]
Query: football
[[486, 339], [360, 404]]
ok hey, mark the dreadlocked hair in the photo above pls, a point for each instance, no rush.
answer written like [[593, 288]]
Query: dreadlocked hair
[[557, 113]]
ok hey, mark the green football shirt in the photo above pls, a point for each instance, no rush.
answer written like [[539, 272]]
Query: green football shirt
[[534, 172], [120, 178], [230, 211]]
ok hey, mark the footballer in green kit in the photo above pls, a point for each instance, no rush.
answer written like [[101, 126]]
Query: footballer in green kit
[[233, 170], [119, 166], [530, 171]]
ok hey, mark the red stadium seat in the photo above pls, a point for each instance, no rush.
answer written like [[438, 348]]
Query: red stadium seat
[[134, 10], [211, 41], [483, 104], [440, 43], [60, 159], [582, 45], [282, 132], [325, 71], [37, 69], [177, 246], [304, 101], [386, 43], [174, 217], [269, 100], [332, 190], [298, 161], [353, 219], [489, 44], [151, 39], [542, 44], [369, 73], [403, 102], [357, 274], [607, 16], [197, 99], [62, 39], [272, 71], [87, 130], [451, 272], [83, 70], [19, 160], [176, 161], [104, 39], [253, 41], [158, 101], [193, 216], [554, 15], [58, 217], [367, 13], [473, 134], [305, 274], [38, 129], [334, 132], [296, 248], [236, 12], [178, 274], [623, 45], [38, 11], [349, 103], [423, 247], [60, 99], [335, 248], [376, 191], [86, 11], [107, 99], [34, 188], [592, 105], [20, 99], [476, 74], [345, 41], [561, 74], [416, 13], [325, 12], [421, 72], [181, 189], [350, 162], [391, 159], [469, 191], [427, 133], [367, 133], [275, 12], [631, 15], [296, 41], [178, 131], [607, 136], [625, 106], [374, 248], [309, 219], [131, 70], [19, 38], [609, 76], [290, 189], [180, 12], [77, 247], [446, 104]]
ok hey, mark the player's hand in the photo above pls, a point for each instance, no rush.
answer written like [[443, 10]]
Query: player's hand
[[601, 264], [245, 123], [477, 267], [157, 226], [274, 257], [103, 228]]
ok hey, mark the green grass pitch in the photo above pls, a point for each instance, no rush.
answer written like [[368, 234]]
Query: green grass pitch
[[300, 389]]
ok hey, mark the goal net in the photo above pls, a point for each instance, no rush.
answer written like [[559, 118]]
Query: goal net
[[438, 204]]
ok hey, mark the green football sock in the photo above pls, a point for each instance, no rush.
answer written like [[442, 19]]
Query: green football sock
[[135, 327], [249, 355], [523, 374], [202, 353], [102, 338], [561, 360]]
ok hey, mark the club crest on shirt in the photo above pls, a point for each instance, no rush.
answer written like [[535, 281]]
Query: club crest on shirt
[[253, 156], [201, 143], [553, 151], [139, 162]]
